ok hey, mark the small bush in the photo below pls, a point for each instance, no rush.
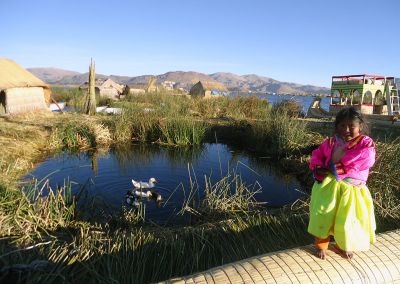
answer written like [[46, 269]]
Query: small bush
[[291, 107]]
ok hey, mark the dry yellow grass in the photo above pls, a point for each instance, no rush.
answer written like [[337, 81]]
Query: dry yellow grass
[[22, 145], [27, 138]]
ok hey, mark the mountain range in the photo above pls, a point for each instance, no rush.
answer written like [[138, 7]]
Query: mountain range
[[185, 80]]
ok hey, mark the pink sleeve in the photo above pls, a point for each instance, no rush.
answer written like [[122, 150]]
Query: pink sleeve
[[318, 156], [364, 161]]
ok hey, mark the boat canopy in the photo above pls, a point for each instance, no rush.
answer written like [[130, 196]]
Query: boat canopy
[[355, 77]]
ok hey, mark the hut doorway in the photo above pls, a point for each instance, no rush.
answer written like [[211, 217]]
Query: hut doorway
[[2, 102]]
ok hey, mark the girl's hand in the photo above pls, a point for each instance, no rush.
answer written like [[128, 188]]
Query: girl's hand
[[322, 172], [337, 154]]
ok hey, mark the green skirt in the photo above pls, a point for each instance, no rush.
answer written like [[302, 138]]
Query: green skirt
[[344, 211]]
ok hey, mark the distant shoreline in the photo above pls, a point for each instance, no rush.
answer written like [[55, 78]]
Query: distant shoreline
[[274, 94]]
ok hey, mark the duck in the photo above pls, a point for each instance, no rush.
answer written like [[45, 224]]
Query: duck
[[133, 196], [131, 199], [150, 194], [139, 193], [141, 184], [154, 195], [157, 198]]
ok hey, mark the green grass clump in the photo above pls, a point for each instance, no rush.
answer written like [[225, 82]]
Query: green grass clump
[[384, 181], [66, 93], [290, 107], [76, 136], [287, 135], [280, 135], [149, 125], [235, 108], [164, 103], [146, 127], [247, 107], [35, 210], [121, 126], [134, 124], [182, 131]]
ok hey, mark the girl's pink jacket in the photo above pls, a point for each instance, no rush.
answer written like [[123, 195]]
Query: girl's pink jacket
[[358, 159]]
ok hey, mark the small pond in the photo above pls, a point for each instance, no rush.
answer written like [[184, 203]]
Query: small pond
[[106, 176]]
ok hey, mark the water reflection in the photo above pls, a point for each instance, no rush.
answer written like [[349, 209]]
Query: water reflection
[[260, 165], [102, 178], [143, 154]]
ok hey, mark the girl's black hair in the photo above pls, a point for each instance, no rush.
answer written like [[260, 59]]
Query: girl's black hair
[[350, 113]]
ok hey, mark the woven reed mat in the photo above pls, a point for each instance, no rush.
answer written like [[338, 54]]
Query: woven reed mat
[[381, 264]]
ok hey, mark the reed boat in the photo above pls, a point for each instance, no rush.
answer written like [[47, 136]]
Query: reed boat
[[375, 97]]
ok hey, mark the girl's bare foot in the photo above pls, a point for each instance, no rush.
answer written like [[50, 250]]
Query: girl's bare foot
[[349, 254], [343, 253], [321, 253]]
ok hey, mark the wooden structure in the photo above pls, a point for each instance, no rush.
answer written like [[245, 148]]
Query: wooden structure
[[208, 89], [20, 90], [381, 264]]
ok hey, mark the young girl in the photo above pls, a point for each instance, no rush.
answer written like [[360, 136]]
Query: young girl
[[341, 204]]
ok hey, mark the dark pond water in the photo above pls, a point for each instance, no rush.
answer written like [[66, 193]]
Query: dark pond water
[[106, 177]]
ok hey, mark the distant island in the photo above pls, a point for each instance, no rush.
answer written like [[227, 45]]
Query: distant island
[[235, 83]]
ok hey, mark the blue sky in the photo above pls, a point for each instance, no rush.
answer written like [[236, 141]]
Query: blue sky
[[295, 41]]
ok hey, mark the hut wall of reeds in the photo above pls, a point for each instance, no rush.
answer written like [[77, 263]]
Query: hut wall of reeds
[[208, 89], [111, 89], [137, 89], [20, 90]]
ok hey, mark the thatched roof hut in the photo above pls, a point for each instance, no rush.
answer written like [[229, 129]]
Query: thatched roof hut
[[20, 90], [208, 89], [107, 88]]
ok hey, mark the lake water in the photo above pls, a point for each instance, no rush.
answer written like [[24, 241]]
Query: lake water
[[107, 177], [304, 101]]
